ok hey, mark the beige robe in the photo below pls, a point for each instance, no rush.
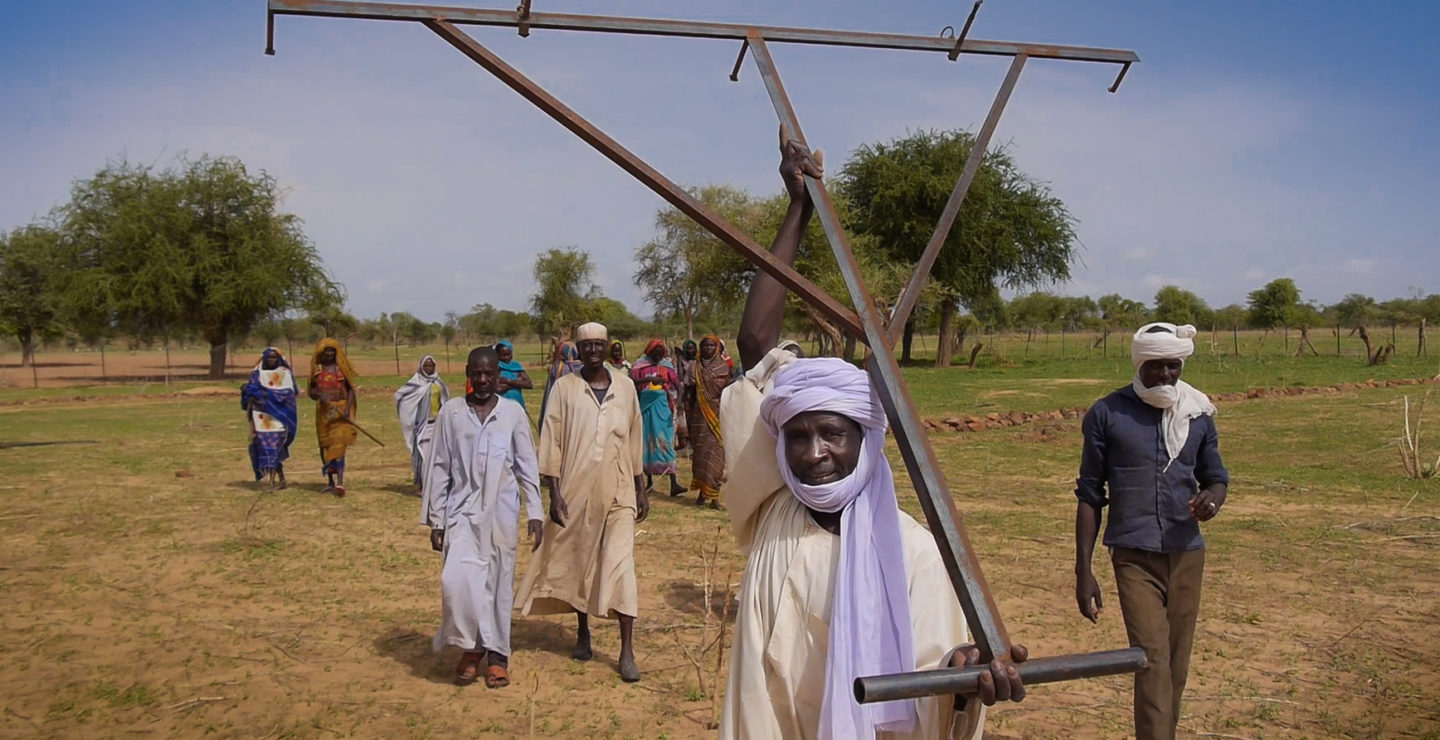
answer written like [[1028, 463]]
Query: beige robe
[[777, 660], [594, 450]]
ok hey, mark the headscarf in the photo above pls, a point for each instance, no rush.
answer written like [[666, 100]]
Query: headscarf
[[341, 360], [652, 344], [624, 362], [275, 402], [567, 360], [513, 366], [870, 631], [1180, 402], [412, 401]]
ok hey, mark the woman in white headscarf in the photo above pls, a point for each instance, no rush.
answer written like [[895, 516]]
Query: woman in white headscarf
[[417, 403]]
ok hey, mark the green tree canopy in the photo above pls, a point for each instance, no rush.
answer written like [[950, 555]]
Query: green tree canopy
[[1119, 312], [685, 271], [1355, 309], [30, 308], [1179, 306], [1012, 230], [564, 287], [202, 248], [1274, 305]]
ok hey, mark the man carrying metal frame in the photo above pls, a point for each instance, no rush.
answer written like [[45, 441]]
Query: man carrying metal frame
[[839, 582]]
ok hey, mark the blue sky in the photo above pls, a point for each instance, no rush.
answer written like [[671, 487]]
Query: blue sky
[[1254, 140]]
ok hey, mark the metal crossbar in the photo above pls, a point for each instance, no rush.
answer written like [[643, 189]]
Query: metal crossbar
[[865, 323]]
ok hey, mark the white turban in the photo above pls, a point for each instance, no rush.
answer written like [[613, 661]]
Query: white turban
[[870, 631], [1172, 343], [592, 330], [1179, 403]]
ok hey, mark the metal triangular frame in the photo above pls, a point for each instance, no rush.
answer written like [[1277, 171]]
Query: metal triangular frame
[[865, 324]]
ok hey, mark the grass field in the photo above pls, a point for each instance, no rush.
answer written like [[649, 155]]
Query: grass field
[[150, 590]]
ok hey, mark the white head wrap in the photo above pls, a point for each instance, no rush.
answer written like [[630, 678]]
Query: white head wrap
[[1170, 343], [870, 614], [1181, 402], [591, 330], [412, 402]]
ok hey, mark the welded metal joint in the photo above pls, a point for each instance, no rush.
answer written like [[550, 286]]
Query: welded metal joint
[[965, 30], [522, 18], [739, 60]]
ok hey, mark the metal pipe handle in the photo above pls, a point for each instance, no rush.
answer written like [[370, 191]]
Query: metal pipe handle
[[963, 681]]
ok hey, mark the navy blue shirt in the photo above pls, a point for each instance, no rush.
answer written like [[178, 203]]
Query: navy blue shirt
[[1125, 453]]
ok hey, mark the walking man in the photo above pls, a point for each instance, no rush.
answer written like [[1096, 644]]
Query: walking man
[[482, 463], [591, 459], [1151, 453]]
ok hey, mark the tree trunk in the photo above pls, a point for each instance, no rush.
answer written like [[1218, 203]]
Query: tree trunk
[[975, 353], [960, 339], [103, 375], [1420, 350], [1305, 342], [689, 322], [218, 348], [829, 333], [1029, 336], [942, 346], [1235, 335], [849, 348], [27, 347], [1287, 339], [1337, 338], [907, 341]]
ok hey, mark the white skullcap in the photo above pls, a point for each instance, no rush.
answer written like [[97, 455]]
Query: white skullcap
[[592, 330], [1171, 343]]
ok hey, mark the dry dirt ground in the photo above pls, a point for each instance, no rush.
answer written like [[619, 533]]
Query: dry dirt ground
[[149, 590]]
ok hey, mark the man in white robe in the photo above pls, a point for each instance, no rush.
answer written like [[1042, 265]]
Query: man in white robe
[[592, 449], [839, 583], [482, 463]]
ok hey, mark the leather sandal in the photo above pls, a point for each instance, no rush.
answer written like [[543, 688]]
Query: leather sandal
[[496, 677]]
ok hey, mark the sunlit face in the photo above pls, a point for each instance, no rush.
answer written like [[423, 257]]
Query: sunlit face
[[1160, 372], [708, 347], [592, 353], [428, 366], [617, 353], [482, 374], [822, 446], [506, 354], [327, 356]]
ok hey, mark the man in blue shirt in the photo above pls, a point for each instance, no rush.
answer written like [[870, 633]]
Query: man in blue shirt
[[1152, 447]]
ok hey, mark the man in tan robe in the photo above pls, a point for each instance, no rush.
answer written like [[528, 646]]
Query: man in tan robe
[[592, 459], [782, 680]]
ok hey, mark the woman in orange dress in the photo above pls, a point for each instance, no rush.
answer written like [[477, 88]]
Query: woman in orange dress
[[332, 387]]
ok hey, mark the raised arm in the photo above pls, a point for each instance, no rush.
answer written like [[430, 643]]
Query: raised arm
[[764, 315]]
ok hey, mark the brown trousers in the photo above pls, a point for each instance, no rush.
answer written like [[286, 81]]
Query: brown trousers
[[1159, 598]]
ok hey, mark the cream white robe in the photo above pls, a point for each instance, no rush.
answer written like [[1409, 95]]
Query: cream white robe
[[777, 660], [479, 470], [594, 450]]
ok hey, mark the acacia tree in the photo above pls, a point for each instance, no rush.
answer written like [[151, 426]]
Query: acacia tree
[[1012, 230], [685, 271], [201, 248], [1179, 306], [30, 308], [564, 287], [1274, 304]]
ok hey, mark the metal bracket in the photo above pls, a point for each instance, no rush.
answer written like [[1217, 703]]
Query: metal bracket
[[739, 60], [522, 18], [965, 30]]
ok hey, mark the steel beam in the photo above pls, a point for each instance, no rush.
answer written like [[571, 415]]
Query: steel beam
[[961, 564], [663, 186], [978, 147], [691, 29]]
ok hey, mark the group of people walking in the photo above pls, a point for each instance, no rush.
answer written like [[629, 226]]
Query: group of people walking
[[839, 582]]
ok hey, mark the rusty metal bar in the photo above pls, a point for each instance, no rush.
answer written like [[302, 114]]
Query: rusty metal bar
[[960, 41], [961, 564], [911, 294], [967, 680], [692, 29], [665, 188]]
